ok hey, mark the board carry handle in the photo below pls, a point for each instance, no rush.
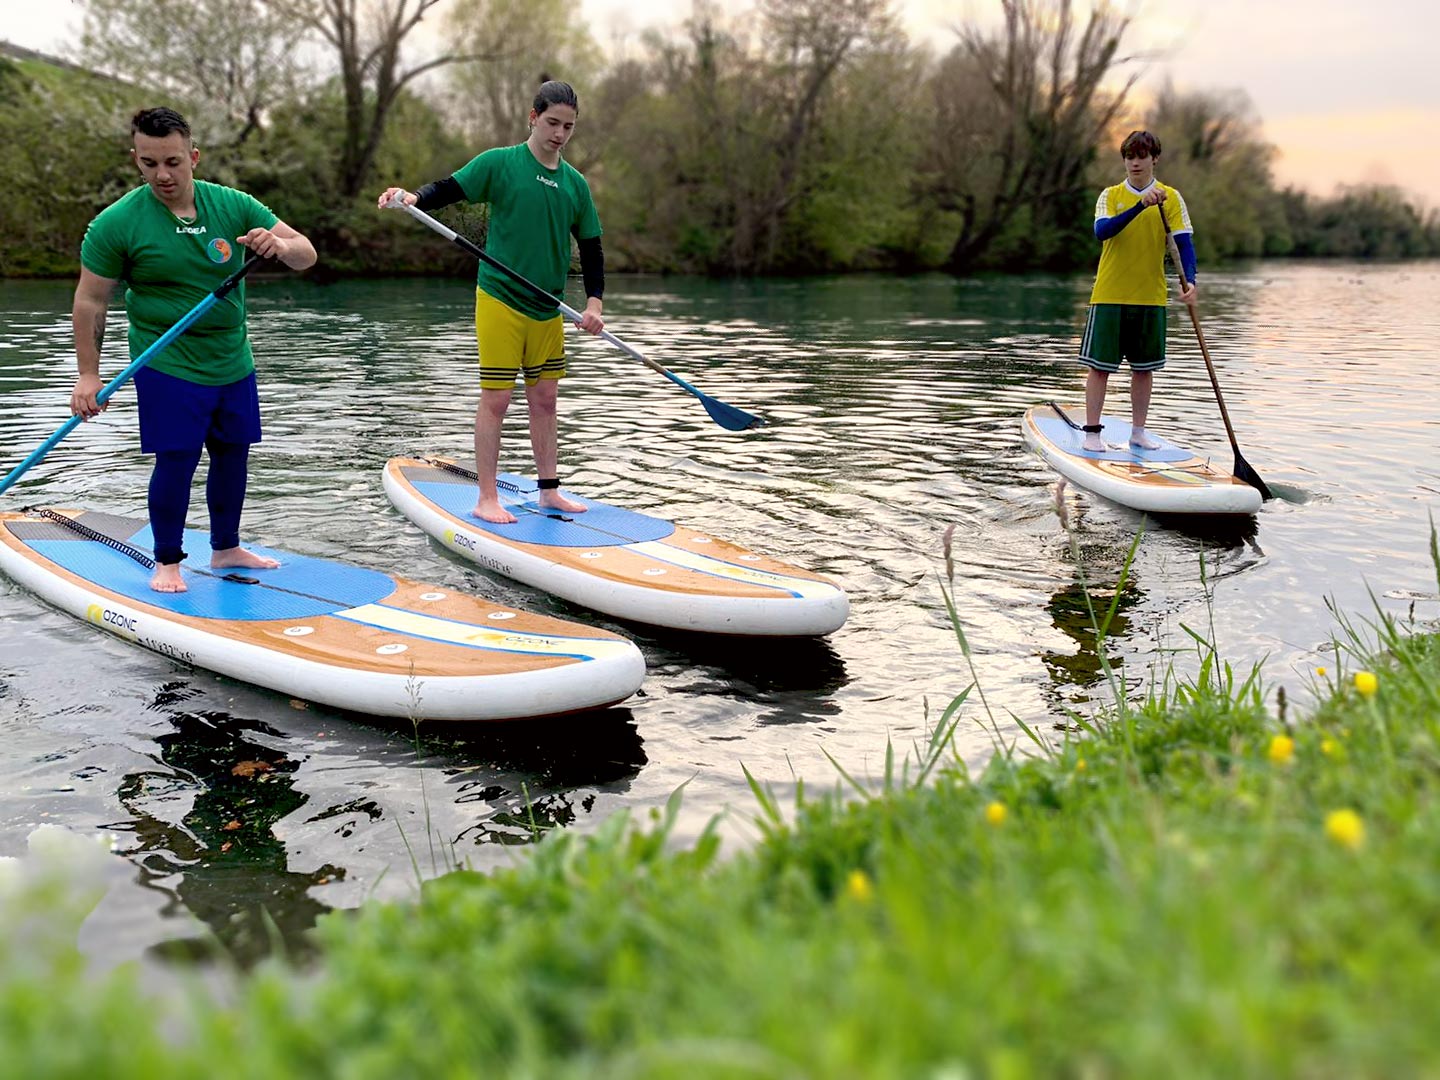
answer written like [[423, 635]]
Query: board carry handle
[[727, 416], [160, 344]]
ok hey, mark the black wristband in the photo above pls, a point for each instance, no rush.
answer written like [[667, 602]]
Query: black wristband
[[549, 485]]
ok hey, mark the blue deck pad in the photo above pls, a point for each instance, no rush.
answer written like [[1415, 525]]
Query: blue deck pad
[[1116, 431], [336, 585], [601, 525]]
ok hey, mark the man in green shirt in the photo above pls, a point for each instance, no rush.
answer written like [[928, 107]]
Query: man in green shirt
[[172, 241], [537, 202]]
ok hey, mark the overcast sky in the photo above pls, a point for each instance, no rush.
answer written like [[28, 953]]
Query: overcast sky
[[1348, 91]]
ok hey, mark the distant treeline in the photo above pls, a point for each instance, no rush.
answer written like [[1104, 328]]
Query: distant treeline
[[812, 137]]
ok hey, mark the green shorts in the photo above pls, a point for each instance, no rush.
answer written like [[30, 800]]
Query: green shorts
[[1133, 332]]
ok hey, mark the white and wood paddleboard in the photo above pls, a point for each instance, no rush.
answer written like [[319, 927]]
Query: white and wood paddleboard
[[626, 564], [1167, 480], [321, 630]]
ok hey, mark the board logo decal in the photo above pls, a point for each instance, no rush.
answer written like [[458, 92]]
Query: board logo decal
[[123, 625]]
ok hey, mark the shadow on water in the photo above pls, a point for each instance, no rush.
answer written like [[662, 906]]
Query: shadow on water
[[1095, 595], [795, 680], [1218, 530], [223, 863], [527, 779]]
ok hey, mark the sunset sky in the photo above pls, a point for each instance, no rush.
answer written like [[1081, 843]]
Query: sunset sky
[[1347, 91]]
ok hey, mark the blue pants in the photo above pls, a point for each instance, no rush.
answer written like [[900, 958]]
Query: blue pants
[[178, 419], [224, 495]]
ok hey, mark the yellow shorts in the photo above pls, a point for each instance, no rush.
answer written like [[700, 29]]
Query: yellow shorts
[[511, 342]]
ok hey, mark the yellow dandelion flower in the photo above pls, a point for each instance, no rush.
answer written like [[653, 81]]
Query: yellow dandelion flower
[[1366, 683], [859, 887], [1282, 749], [1328, 747], [996, 813], [1345, 828], [1080, 765], [1321, 672]]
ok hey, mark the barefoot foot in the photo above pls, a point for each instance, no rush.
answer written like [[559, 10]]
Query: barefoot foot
[[553, 500], [1141, 438], [1094, 443], [239, 558], [490, 510], [167, 579]]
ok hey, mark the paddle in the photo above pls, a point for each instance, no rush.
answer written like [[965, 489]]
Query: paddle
[[727, 416], [1242, 470], [188, 320]]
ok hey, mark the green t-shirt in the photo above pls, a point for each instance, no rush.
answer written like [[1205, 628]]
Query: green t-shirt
[[533, 212], [169, 265]]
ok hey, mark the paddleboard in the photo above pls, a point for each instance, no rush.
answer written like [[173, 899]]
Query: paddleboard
[[321, 630], [626, 564], [1167, 480]]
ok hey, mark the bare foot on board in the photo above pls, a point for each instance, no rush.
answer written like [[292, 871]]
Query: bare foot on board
[[1143, 439], [553, 500], [167, 579], [238, 558], [1094, 443], [490, 510]]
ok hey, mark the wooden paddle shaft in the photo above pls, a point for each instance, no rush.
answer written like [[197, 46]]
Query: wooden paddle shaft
[[1199, 334]]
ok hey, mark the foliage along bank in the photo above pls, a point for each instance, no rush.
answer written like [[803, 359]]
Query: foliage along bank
[[811, 138]]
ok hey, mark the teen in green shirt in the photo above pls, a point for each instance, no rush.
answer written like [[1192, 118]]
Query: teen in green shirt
[[537, 202]]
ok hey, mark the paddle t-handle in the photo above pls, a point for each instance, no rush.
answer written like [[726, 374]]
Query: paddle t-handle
[[727, 416], [162, 342]]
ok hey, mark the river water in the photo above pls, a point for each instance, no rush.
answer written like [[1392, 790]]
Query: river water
[[894, 406]]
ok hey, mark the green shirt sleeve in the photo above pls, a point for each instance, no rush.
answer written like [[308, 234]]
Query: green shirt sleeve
[[476, 177], [102, 251], [243, 211], [587, 221], [257, 214]]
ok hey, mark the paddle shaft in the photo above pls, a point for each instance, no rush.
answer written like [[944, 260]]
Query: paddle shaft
[[1199, 334], [161, 343], [727, 416], [1243, 470], [468, 245]]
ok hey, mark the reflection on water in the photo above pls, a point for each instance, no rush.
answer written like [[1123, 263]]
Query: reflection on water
[[221, 861], [894, 408]]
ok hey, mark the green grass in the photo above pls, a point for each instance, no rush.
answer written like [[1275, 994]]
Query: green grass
[[1158, 897]]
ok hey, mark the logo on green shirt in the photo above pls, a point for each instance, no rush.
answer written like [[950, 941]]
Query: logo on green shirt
[[218, 250]]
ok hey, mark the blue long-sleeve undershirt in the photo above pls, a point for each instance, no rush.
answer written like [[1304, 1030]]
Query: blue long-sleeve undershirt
[[1186, 244], [1107, 228]]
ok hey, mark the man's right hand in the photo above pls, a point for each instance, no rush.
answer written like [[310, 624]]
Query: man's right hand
[[82, 398]]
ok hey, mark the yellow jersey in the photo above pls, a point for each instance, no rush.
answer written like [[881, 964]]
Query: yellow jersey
[[1132, 262]]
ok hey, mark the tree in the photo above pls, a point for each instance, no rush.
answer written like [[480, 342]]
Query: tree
[[1214, 154], [725, 162], [1043, 77], [367, 36], [54, 185], [224, 62], [490, 100]]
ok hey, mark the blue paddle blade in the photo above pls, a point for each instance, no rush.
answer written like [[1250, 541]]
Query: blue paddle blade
[[728, 416]]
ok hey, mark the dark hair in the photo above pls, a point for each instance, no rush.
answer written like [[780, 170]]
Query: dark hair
[[158, 123], [1140, 140], [555, 92]]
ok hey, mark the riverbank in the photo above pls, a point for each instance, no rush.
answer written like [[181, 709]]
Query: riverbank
[[1204, 884]]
